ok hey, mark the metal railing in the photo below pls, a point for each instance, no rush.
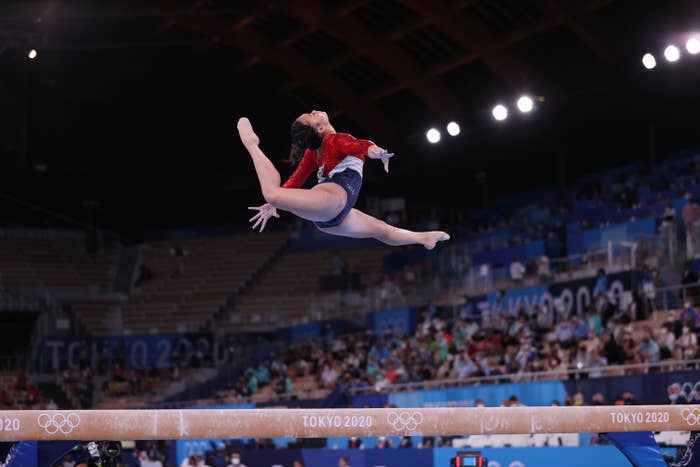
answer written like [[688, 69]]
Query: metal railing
[[672, 297], [573, 373], [612, 256]]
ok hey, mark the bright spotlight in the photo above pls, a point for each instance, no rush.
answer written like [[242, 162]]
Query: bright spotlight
[[32, 54], [500, 112], [693, 46], [525, 104], [453, 128], [672, 53], [649, 61], [433, 135]]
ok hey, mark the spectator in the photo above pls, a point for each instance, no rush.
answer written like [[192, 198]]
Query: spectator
[[598, 399], [595, 321], [649, 350], [628, 398], [601, 283], [649, 289], [355, 443], [691, 288], [612, 350], [517, 270], [691, 216], [596, 363], [383, 443], [146, 461], [669, 216], [686, 345], [236, 460], [564, 332], [344, 462], [667, 342], [689, 316], [580, 328], [674, 394], [543, 270], [298, 463], [544, 316], [406, 442]]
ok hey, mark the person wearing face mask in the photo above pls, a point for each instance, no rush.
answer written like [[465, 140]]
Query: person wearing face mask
[[235, 461], [675, 396], [687, 343]]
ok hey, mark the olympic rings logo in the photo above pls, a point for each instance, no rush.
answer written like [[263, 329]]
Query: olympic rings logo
[[691, 416], [58, 422], [404, 420]]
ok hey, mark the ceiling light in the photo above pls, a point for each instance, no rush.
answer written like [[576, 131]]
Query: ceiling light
[[453, 128], [672, 53], [500, 112], [525, 104], [649, 61], [433, 135]]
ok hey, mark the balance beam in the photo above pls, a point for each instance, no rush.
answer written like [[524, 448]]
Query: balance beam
[[49, 425]]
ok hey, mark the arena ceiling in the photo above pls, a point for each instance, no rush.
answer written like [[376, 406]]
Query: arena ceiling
[[140, 88]]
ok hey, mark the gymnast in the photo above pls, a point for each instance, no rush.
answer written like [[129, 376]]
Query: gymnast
[[338, 159]]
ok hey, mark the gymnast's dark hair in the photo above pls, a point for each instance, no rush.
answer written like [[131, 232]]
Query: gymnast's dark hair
[[303, 137]]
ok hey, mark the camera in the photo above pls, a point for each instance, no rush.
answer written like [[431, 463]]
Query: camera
[[469, 459], [103, 453]]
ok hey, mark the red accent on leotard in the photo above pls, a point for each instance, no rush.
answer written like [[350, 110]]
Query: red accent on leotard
[[334, 149]]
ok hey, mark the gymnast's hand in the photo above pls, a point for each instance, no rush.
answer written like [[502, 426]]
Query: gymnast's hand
[[265, 212], [245, 131], [375, 152]]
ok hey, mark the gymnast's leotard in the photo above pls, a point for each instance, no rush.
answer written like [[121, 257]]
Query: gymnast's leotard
[[341, 161]]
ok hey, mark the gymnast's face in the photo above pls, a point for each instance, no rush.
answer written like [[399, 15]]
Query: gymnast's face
[[316, 119]]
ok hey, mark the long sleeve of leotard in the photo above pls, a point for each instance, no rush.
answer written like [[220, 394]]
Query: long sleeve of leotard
[[305, 168], [348, 145]]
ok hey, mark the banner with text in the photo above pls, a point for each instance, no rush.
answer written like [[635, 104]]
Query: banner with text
[[132, 352]]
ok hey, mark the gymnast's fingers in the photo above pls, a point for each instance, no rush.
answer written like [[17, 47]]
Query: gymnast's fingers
[[255, 208], [255, 226], [262, 227], [254, 217]]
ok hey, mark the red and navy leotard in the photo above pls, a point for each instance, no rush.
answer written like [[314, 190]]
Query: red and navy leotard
[[339, 151]]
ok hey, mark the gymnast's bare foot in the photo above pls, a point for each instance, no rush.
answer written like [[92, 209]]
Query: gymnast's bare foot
[[429, 239], [245, 131]]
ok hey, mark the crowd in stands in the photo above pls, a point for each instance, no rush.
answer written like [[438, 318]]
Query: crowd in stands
[[17, 392], [464, 345]]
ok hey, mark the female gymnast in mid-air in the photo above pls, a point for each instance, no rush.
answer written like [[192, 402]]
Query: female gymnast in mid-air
[[338, 158]]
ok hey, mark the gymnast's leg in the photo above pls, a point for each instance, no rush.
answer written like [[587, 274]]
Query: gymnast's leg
[[357, 224], [321, 203]]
